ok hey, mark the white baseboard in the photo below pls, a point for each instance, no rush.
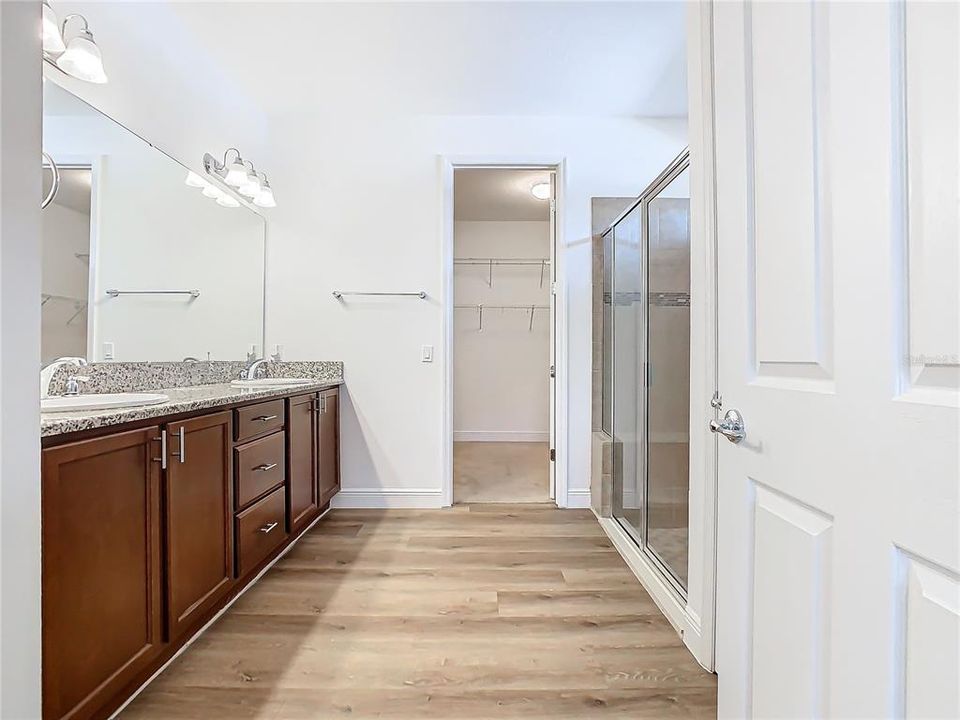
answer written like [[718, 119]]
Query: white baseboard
[[388, 498], [501, 436], [578, 498]]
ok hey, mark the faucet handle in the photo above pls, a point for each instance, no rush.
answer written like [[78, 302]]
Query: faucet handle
[[73, 384]]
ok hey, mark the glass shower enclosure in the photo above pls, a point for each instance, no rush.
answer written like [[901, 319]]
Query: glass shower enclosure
[[646, 348]]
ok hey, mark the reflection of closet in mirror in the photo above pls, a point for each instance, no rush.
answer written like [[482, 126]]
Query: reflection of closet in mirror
[[65, 257]]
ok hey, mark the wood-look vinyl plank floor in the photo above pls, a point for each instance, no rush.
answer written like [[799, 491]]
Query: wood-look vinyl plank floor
[[430, 614]]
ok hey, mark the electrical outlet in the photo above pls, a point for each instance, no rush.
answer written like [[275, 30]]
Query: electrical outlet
[[426, 353]]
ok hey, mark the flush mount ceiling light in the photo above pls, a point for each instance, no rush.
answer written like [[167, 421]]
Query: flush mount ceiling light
[[541, 191], [79, 57], [234, 171]]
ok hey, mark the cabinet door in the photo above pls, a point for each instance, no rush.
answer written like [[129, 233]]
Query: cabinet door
[[328, 445], [199, 501], [101, 605], [303, 492]]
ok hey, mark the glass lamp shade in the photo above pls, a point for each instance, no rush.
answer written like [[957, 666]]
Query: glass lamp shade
[[236, 174], [195, 181], [82, 59], [265, 198], [250, 189], [50, 32], [212, 191], [226, 200]]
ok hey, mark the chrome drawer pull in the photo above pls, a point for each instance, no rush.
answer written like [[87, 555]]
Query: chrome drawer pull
[[267, 528], [265, 466], [264, 418]]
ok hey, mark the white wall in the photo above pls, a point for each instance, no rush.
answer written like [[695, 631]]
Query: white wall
[[19, 360], [371, 219], [501, 385]]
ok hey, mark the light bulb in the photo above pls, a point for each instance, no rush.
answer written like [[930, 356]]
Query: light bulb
[[50, 31], [265, 197], [195, 181], [82, 59], [541, 191], [226, 200]]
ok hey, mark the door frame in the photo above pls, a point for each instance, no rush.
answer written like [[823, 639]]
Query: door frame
[[556, 164]]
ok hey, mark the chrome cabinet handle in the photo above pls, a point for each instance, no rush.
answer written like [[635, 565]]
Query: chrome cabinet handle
[[267, 528], [163, 450], [183, 446], [265, 466], [731, 427], [264, 418]]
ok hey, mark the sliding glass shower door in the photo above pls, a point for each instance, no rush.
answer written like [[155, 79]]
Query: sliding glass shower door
[[650, 301]]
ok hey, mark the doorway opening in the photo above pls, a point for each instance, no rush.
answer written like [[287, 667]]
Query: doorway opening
[[503, 334]]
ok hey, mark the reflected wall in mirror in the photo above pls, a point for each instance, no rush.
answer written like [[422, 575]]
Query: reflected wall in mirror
[[123, 219]]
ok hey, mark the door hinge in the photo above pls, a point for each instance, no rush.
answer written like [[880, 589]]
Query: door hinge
[[553, 205], [553, 288], [553, 455], [553, 371]]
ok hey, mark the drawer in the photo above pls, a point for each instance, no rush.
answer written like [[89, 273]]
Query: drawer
[[259, 466], [255, 420], [260, 529]]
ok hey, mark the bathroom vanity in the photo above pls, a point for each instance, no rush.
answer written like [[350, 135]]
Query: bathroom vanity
[[156, 517]]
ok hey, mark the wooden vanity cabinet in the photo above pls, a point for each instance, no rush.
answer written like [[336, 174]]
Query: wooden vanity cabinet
[[102, 575], [199, 518], [150, 529], [303, 496], [328, 444]]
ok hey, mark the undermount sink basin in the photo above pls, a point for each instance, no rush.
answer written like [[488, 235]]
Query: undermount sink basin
[[270, 382], [103, 401]]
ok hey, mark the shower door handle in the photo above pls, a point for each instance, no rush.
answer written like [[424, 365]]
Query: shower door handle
[[731, 427]]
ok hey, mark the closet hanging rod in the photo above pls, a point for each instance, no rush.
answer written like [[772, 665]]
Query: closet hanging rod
[[501, 261], [118, 293], [477, 306], [339, 294]]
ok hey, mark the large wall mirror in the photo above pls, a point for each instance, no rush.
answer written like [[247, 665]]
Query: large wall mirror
[[136, 265]]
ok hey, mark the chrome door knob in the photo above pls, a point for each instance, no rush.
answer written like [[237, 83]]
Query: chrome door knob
[[731, 427]]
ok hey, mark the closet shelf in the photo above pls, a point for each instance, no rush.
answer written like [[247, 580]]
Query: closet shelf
[[489, 262], [480, 307]]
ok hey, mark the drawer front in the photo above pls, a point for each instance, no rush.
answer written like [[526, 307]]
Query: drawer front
[[259, 466], [261, 528], [258, 419]]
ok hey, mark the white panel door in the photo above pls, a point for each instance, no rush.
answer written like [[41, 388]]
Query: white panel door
[[837, 157]]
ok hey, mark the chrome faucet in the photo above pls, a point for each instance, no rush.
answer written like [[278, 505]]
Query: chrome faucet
[[50, 369], [253, 367]]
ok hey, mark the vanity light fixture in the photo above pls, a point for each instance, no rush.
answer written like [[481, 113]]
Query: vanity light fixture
[[79, 57], [541, 191], [234, 171]]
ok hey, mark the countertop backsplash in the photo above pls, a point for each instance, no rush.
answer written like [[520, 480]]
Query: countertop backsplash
[[115, 377]]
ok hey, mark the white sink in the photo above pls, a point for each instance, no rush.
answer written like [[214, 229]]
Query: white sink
[[105, 401], [271, 382]]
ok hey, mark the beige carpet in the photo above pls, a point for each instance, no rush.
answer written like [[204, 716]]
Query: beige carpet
[[506, 472]]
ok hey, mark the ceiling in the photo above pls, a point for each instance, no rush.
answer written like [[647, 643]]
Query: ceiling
[[452, 58], [493, 194]]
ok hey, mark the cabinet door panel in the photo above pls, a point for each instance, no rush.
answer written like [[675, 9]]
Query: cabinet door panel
[[101, 604], [329, 445], [303, 494], [199, 501]]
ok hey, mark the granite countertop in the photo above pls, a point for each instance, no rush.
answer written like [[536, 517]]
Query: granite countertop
[[182, 400]]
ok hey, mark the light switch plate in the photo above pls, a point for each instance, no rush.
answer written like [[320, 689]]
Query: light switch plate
[[108, 351], [426, 353]]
